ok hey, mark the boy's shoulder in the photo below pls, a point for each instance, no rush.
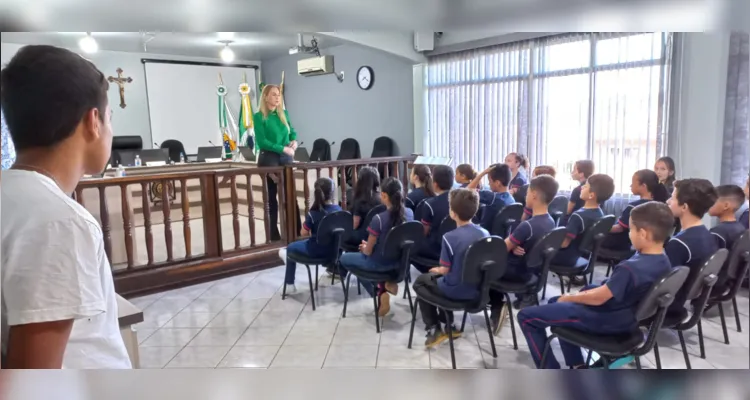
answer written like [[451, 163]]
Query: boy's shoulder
[[470, 231], [647, 262]]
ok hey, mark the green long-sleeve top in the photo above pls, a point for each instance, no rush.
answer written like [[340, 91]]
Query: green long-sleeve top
[[271, 134]]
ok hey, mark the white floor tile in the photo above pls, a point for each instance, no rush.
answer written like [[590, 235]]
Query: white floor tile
[[249, 357], [300, 357], [198, 357]]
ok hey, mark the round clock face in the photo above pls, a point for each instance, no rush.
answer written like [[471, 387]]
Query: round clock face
[[365, 78]]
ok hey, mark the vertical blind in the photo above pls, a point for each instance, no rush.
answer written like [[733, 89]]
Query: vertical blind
[[591, 96]]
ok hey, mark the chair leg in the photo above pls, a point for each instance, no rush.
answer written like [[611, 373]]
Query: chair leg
[[413, 322], [638, 362], [700, 340], [562, 284], [317, 278], [509, 304], [609, 268], [588, 358], [312, 293], [544, 292], [546, 352], [570, 281], [449, 328], [359, 288], [656, 355], [489, 331], [463, 322], [406, 283], [346, 293], [408, 294], [723, 323], [684, 349], [377, 317], [736, 314]]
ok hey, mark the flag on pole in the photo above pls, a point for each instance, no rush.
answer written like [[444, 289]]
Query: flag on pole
[[281, 92], [229, 144], [245, 129]]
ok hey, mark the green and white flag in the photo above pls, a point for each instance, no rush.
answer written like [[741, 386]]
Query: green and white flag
[[245, 131]]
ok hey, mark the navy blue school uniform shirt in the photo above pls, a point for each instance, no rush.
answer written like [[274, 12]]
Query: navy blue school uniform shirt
[[454, 247], [726, 233], [744, 219], [575, 196], [578, 223], [526, 235], [415, 197], [312, 222], [690, 248], [379, 227], [434, 211], [621, 240], [360, 209], [493, 202], [519, 180]]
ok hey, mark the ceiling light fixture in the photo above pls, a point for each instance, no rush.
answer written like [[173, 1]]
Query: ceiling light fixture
[[88, 44], [226, 35], [226, 54]]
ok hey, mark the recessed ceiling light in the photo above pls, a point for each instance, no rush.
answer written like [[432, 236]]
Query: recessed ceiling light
[[88, 44], [226, 35]]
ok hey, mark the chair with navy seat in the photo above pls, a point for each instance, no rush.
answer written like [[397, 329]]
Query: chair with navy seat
[[332, 230], [175, 149], [611, 347], [558, 207], [505, 219], [485, 261], [591, 245], [731, 276], [399, 243], [539, 259]]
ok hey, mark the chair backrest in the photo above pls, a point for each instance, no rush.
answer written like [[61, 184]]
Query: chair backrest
[[175, 148], [127, 143], [383, 147], [485, 262], [349, 150], [662, 293], [247, 153], [321, 150], [545, 249], [594, 235], [152, 155], [446, 225], [505, 218], [209, 152], [739, 256], [520, 195], [399, 242], [558, 207], [371, 214], [334, 227], [707, 275]]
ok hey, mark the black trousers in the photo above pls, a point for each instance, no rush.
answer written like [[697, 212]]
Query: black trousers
[[271, 159], [431, 315]]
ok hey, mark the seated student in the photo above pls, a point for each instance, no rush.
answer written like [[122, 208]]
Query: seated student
[[541, 192], [520, 196], [582, 169], [598, 189], [447, 278], [434, 210], [322, 205], [743, 219], [645, 184], [371, 257], [730, 199], [421, 180], [497, 197], [665, 170], [515, 161], [690, 201], [465, 174], [366, 197], [606, 309]]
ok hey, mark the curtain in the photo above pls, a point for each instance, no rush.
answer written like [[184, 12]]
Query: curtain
[[735, 160], [595, 96]]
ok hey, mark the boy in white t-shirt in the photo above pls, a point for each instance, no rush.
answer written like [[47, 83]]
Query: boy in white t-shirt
[[59, 306]]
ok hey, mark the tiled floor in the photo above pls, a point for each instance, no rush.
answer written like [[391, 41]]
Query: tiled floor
[[241, 322]]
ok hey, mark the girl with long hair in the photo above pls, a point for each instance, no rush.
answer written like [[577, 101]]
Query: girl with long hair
[[665, 170], [421, 180], [366, 197], [516, 161]]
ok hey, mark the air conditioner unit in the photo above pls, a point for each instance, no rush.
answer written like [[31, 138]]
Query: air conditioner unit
[[315, 66]]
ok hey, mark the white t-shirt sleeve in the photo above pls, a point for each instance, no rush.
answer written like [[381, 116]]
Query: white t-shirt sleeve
[[55, 274]]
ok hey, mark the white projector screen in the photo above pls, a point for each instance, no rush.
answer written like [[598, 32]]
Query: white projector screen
[[183, 104]]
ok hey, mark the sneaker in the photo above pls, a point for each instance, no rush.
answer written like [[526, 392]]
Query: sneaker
[[392, 288], [455, 332], [497, 320], [282, 254], [385, 304], [435, 336], [526, 301], [578, 281], [291, 289]]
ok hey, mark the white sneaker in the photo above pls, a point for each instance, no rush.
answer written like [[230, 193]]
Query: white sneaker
[[282, 254], [291, 289]]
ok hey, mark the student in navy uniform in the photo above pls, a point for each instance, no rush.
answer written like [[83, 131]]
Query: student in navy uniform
[[665, 170], [371, 255], [446, 279], [465, 174], [582, 170], [743, 219], [690, 201], [730, 199], [520, 196], [497, 197], [366, 197], [516, 161], [598, 189], [645, 184], [322, 205], [542, 190], [435, 210], [606, 309], [421, 180]]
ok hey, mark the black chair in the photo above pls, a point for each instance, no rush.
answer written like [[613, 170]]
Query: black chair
[[332, 230], [520, 195], [505, 219], [732, 275], [349, 150], [699, 288], [611, 347], [485, 261], [613, 257], [321, 150], [558, 208], [590, 244], [154, 155], [209, 152], [383, 147], [446, 225], [538, 258], [351, 244], [398, 243], [127, 143], [175, 149]]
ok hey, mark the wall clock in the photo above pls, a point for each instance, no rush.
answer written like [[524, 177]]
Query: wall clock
[[365, 77]]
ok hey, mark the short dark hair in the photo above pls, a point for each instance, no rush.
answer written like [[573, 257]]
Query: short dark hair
[[586, 167], [732, 193], [602, 185], [655, 217], [544, 170], [46, 91], [464, 203], [698, 194], [501, 172], [443, 177], [546, 186]]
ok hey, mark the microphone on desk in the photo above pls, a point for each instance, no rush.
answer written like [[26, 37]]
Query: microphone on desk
[[156, 144], [332, 143], [212, 143]]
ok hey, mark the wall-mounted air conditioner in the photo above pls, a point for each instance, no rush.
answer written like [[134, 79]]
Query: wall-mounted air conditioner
[[315, 66]]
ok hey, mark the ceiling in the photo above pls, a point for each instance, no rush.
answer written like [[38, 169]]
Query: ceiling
[[247, 46]]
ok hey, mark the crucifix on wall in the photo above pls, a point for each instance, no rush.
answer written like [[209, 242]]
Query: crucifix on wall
[[120, 81]]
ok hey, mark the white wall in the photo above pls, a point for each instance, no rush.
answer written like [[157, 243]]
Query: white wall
[[134, 119]]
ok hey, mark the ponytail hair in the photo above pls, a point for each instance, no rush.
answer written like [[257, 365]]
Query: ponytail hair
[[671, 171], [467, 170], [323, 194], [395, 191], [649, 178], [521, 160], [423, 173]]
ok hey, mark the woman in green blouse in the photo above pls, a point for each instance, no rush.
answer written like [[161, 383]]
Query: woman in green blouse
[[277, 141]]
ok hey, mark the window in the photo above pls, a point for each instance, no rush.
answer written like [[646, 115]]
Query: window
[[557, 100]]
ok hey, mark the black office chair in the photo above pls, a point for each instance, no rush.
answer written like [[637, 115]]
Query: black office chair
[[154, 155], [332, 230], [175, 148], [425, 262], [613, 257], [351, 244], [539, 258], [558, 208], [321, 150], [611, 347], [590, 244], [731, 277], [209, 152], [520, 195], [127, 143], [398, 243], [505, 219], [383, 147], [484, 262], [700, 286], [349, 150]]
